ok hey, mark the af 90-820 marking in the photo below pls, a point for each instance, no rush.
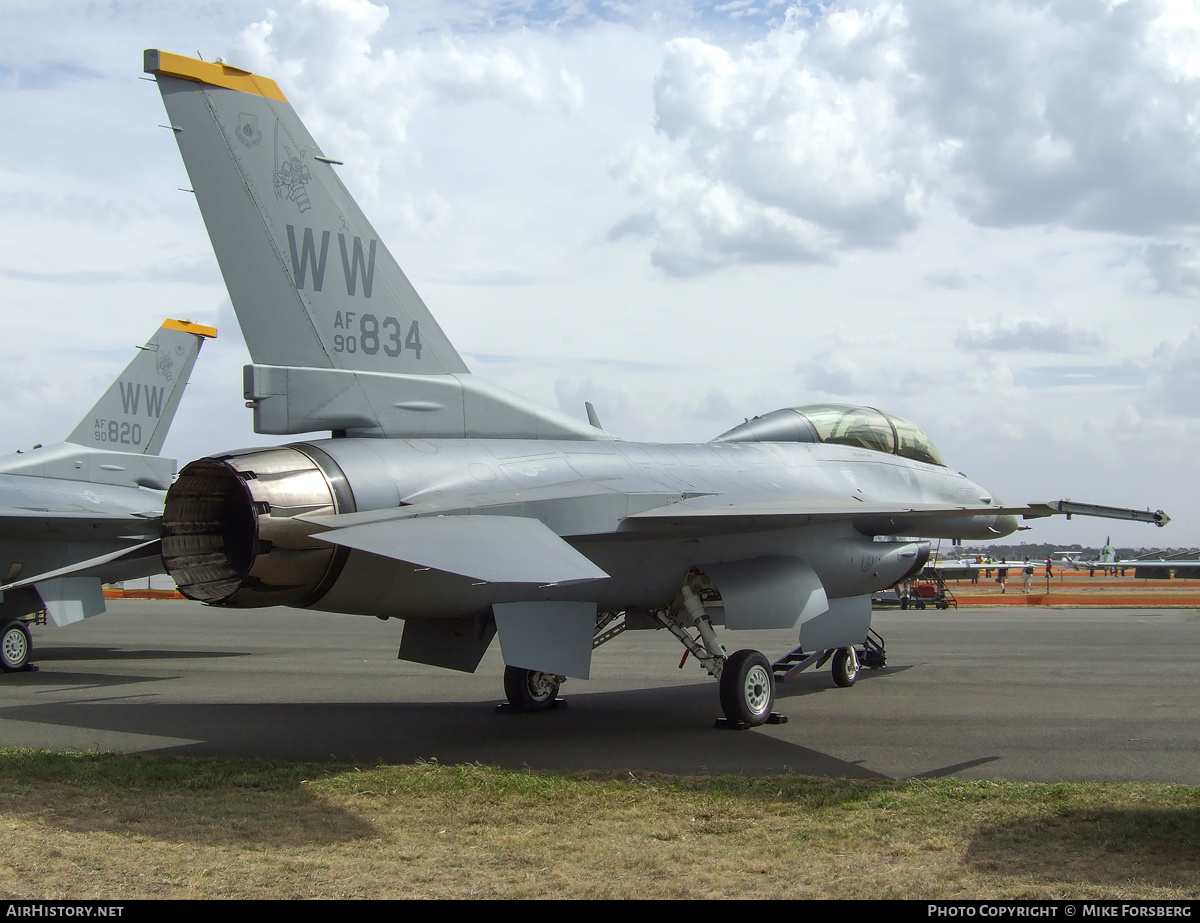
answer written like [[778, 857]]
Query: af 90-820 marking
[[115, 431]]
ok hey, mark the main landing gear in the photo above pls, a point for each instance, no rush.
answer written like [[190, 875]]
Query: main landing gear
[[746, 679], [747, 688], [530, 690], [15, 647]]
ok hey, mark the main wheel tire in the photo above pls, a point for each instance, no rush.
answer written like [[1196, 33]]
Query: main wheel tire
[[15, 647], [747, 688], [530, 690], [845, 667]]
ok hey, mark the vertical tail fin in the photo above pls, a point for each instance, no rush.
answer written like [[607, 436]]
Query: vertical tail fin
[[136, 411], [339, 337], [311, 283]]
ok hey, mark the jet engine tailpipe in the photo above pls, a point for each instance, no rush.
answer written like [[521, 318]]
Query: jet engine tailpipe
[[230, 536]]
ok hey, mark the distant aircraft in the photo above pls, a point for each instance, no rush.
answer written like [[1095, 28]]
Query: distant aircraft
[[86, 512], [467, 512], [1180, 565]]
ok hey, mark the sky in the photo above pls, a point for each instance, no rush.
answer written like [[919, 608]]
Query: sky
[[984, 217]]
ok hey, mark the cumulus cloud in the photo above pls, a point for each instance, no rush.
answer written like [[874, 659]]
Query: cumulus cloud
[[1173, 268], [1031, 334], [322, 52], [951, 279], [1176, 367], [838, 377], [1080, 114], [833, 132], [835, 375], [778, 153]]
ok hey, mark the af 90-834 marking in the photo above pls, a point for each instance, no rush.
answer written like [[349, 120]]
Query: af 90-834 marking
[[374, 335]]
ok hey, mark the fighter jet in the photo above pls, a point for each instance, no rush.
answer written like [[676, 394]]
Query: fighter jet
[[86, 512], [1179, 565], [467, 512]]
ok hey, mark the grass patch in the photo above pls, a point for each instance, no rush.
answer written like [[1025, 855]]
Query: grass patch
[[85, 825]]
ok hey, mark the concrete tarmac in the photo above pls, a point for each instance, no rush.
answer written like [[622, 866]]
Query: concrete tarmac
[[1028, 694]]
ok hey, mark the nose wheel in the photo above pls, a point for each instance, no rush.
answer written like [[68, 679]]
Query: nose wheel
[[845, 667]]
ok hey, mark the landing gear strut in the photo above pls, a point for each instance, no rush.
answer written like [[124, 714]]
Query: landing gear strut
[[747, 683]]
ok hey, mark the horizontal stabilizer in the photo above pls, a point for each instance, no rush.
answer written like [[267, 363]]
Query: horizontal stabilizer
[[494, 549]]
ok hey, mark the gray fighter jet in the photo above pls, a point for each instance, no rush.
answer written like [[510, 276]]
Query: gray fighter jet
[[467, 512], [86, 512]]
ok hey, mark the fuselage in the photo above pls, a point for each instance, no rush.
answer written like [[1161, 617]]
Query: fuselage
[[589, 493]]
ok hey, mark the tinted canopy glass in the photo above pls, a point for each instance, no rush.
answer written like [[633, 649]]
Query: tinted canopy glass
[[839, 424]]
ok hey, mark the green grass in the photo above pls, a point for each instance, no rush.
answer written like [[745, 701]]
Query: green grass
[[88, 825]]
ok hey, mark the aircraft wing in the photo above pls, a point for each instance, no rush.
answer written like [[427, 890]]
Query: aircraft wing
[[584, 507], [869, 518], [1179, 568]]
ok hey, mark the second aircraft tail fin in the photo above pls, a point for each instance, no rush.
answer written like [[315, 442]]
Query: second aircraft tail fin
[[136, 411]]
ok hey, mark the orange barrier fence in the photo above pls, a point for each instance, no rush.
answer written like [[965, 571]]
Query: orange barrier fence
[[1106, 592], [143, 593], [1075, 589]]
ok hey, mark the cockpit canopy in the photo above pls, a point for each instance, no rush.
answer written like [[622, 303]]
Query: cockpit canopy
[[839, 424]]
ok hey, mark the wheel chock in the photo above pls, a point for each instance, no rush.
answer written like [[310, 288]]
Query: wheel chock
[[507, 708], [736, 724]]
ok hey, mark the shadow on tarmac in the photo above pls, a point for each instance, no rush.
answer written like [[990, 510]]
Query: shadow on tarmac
[[670, 731]]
